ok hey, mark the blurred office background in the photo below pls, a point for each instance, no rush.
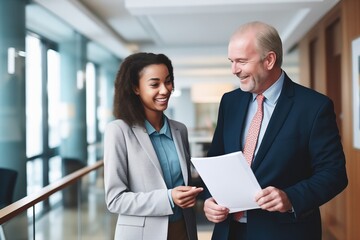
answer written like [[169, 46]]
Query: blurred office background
[[58, 61]]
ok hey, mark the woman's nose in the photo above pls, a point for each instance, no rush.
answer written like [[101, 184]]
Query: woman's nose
[[164, 89]]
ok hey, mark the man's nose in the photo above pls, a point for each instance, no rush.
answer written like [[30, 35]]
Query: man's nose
[[235, 68]]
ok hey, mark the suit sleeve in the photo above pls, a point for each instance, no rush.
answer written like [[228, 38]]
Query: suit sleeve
[[327, 162]]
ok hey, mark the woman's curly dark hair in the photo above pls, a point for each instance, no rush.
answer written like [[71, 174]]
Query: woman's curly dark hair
[[127, 105]]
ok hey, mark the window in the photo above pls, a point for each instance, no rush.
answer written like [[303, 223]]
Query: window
[[53, 90], [91, 102], [42, 115], [34, 103]]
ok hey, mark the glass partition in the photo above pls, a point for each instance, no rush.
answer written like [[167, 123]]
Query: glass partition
[[81, 214]]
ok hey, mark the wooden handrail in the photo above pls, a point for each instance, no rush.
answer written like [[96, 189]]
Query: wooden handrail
[[23, 204]]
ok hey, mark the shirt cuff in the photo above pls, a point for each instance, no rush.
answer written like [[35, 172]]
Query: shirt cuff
[[170, 198]]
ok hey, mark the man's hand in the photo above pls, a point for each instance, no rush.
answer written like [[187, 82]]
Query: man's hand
[[273, 199], [214, 212]]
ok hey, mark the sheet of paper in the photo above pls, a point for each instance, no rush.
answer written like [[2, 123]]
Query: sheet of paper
[[230, 180]]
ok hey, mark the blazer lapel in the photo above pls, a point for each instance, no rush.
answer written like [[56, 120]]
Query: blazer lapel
[[145, 142], [279, 115], [179, 144]]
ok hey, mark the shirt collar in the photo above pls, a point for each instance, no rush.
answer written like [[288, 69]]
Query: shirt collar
[[273, 92], [165, 129]]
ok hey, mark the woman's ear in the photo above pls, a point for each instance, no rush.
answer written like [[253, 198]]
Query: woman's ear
[[136, 90], [270, 60]]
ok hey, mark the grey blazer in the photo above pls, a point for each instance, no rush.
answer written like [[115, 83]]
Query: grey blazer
[[134, 184]]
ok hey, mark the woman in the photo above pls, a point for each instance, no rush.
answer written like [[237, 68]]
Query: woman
[[146, 155]]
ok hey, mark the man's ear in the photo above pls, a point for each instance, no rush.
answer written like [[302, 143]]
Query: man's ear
[[270, 60]]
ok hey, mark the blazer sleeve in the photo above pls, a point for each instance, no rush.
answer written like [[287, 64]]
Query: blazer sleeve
[[119, 196]]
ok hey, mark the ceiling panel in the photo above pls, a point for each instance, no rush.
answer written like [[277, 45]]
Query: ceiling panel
[[188, 30]]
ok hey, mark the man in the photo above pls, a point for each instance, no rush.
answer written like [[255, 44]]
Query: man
[[298, 158]]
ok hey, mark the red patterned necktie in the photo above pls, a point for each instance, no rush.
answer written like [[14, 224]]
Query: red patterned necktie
[[252, 138]]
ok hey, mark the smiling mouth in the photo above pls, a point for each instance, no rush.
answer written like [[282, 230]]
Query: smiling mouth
[[242, 77], [162, 100]]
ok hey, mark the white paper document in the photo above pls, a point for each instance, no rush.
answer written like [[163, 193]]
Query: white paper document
[[230, 180]]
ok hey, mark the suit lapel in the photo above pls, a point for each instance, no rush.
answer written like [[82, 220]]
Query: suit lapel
[[240, 118], [279, 115], [146, 144], [180, 150]]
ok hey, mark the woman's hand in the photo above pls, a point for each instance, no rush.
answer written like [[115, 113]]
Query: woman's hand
[[185, 196]]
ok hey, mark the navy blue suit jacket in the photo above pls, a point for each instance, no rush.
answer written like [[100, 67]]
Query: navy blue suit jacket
[[301, 153]]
